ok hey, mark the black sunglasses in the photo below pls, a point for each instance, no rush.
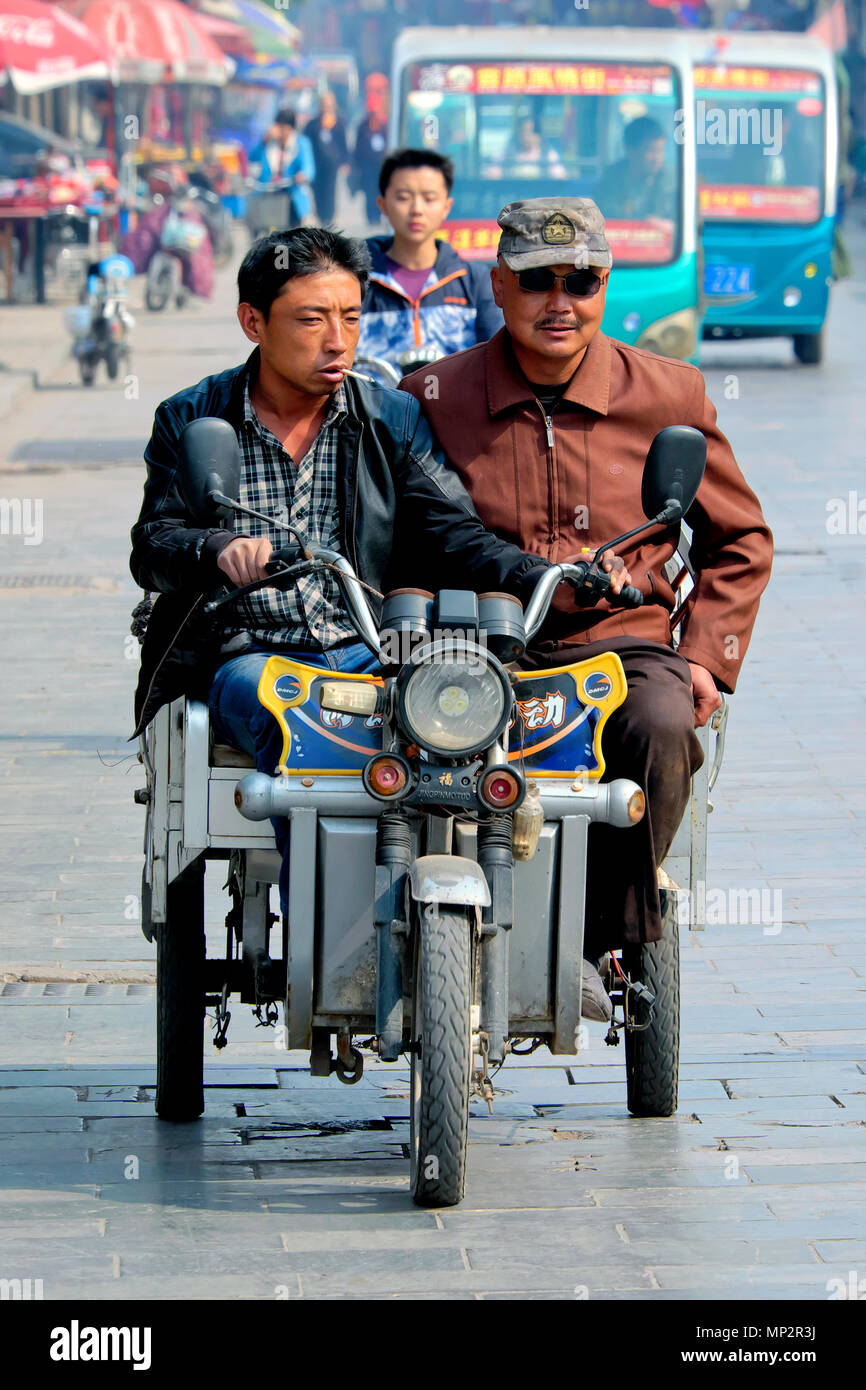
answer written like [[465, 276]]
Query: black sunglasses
[[581, 284]]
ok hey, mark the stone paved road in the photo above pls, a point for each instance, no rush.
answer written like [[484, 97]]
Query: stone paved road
[[754, 1189]]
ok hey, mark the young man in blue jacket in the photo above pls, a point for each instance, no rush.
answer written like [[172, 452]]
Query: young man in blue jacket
[[283, 155], [421, 292]]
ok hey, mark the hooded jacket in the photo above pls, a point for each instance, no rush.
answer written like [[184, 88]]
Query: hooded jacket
[[455, 309]]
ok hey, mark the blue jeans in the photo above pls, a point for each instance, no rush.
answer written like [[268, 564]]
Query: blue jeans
[[239, 718]]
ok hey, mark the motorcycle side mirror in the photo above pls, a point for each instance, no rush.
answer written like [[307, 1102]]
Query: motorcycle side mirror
[[671, 477], [672, 473], [210, 467]]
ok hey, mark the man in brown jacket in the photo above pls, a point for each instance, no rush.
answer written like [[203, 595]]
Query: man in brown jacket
[[548, 425]]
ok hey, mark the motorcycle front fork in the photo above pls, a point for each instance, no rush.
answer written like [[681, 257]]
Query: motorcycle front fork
[[496, 859], [490, 1015]]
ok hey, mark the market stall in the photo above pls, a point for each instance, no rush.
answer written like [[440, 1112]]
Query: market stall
[[43, 50]]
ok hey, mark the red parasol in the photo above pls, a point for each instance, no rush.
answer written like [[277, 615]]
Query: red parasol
[[155, 40], [41, 46]]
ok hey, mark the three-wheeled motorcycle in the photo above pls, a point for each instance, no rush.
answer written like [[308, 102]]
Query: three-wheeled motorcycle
[[437, 818]]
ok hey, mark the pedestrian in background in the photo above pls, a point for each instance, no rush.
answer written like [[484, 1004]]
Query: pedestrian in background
[[326, 133], [285, 156], [371, 142]]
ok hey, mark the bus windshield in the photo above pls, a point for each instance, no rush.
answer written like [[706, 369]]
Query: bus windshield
[[760, 143], [603, 130]]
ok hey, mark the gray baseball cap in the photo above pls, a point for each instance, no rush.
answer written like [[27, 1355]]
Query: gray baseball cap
[[553, 231]]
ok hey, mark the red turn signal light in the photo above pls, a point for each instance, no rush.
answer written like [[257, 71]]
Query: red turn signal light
[[500, 789], [386, 776]]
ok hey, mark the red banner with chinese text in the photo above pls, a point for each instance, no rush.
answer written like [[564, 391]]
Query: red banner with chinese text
[[641, 243], [756, 204]]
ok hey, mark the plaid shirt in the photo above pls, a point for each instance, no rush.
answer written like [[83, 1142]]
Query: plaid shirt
[[306, 496]]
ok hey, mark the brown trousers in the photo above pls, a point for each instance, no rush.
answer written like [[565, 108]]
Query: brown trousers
[[651, 739]]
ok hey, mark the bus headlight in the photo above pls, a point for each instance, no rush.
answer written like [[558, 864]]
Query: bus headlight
[[791, 297], [453, 699], [676, 335]]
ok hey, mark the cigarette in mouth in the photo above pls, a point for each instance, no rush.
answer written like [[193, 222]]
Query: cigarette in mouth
[[359, 376]]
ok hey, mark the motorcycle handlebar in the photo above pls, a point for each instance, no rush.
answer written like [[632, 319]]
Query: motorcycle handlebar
[[286, 559], [628, 597], [539, 604]]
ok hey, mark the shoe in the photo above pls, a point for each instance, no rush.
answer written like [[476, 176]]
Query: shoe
[[595, 1002]]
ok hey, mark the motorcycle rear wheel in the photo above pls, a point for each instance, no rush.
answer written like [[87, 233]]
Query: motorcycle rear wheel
[[112, 363], [441, 1067], [88, 372], [652, 1056], [180, 957]]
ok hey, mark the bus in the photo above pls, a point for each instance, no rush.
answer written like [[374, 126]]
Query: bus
[[766, 130], [530, 112]]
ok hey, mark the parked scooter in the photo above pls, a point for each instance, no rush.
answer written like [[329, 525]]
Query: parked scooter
[[438, 817], [182, 233], [101, 324]]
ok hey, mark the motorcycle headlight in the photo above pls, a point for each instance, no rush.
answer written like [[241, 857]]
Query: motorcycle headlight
[[453, 699]]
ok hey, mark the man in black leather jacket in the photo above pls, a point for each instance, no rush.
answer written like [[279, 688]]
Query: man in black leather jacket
[[395, 508]]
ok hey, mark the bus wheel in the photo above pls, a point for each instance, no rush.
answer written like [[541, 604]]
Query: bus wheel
[[809, 348]]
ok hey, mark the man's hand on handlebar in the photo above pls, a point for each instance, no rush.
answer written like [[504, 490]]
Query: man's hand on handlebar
[[244, 559], [614, 565], [608, 579]]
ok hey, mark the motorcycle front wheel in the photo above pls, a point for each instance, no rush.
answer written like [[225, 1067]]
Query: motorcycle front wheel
[[441, 1066], [158, 288], [652, 1056], [180, 1008]]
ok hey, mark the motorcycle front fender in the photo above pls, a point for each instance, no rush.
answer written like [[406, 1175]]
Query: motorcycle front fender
[[447, 878]]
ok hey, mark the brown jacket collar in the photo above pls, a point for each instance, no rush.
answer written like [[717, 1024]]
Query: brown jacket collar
[[508, 387]]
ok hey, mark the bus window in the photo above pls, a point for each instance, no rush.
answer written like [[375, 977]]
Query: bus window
[[524, 129], [760, 144]]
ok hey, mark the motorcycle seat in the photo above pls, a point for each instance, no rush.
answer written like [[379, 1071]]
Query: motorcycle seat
[[223, 755]]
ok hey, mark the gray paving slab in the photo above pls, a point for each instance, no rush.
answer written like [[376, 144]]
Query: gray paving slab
[[684, 1248], [806, 1173], [806, 1281]]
